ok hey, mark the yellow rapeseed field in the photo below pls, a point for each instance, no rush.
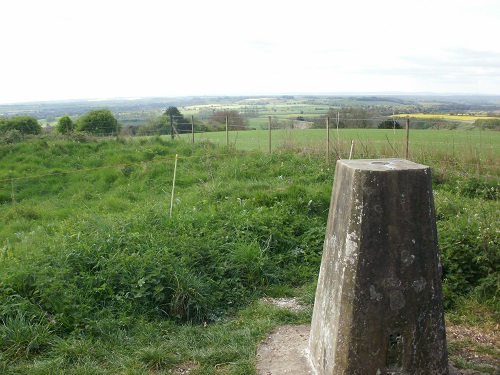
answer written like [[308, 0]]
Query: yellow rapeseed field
[[468, 118]]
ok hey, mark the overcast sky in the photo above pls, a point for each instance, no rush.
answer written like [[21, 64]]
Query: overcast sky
[[72, 49]]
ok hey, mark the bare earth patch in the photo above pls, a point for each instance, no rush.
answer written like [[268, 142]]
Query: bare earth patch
[[184, 368], [284, 351], [477, 347]]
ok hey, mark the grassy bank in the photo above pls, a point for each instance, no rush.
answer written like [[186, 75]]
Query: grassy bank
[[98, 278]]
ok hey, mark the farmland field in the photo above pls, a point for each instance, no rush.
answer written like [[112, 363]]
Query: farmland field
[[465, 117], [477, 148]]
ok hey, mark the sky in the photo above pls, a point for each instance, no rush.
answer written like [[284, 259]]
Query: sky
[[96, 49]]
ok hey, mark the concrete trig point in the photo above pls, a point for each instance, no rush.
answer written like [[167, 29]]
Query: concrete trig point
[[378, 307]]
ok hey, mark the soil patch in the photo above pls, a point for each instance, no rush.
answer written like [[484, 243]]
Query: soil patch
[[285, 350]]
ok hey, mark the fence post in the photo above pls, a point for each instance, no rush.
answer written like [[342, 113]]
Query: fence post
[[269, 137], [338, 137], [173, 187], [227, 131], [192, 128], [407, 136], [172, 126], [327, 141]]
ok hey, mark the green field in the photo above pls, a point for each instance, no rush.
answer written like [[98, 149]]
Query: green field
[[99, 278], [474, 149]]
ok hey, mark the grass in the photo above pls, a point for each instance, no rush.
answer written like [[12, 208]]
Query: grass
[[473, 151], [160, 347], [97, 278]]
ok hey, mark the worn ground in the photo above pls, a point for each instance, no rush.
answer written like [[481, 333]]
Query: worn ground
[[473, 351]]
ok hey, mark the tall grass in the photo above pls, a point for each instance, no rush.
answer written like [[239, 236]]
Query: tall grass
[[472, 151], [98, 278]]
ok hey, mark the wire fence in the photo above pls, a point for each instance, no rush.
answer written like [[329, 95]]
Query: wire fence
[[469, 152], [342, 138], [143, 174]]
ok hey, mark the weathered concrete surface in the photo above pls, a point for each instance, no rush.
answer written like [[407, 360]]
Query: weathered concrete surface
[[378, 307]]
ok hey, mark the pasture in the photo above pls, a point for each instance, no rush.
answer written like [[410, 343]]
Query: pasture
[[477, 151]]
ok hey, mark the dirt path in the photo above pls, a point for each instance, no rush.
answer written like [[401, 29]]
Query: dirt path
[[285, 350]]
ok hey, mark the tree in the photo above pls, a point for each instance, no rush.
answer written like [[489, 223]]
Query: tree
[[99, 122], [490, 123], [182, 125], [65, 125], [157, 126], [173, 111], [350, 117], [235, 120], [24, 124], [389, 124]]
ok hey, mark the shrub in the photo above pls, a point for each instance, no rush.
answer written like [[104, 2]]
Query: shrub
[[389, 124], [99, 122], [65, 125], [23, 124], [493, 124], [12, 136], [470, 248]]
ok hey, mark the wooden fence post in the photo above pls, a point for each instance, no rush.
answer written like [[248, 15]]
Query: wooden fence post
[[227, 131], [269, 137], [173, 187], [407, 136], [327, 141], [192, 128], [172, 126], [338, 136]]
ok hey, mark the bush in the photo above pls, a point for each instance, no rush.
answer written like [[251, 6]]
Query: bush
[[470, 247], [389, 124], [23, 124], [98, 122], [65, 125], [12, 136], [493, 124]]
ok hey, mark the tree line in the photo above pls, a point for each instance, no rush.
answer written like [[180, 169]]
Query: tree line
[[102, 122], [98, 122], [173, 120]]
